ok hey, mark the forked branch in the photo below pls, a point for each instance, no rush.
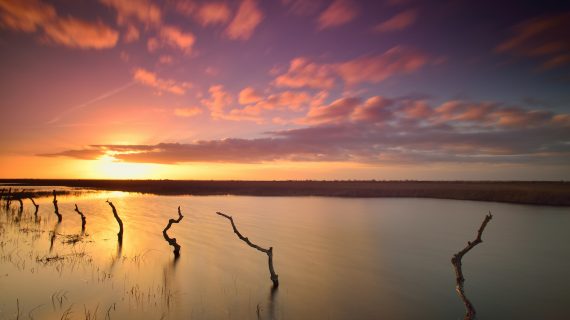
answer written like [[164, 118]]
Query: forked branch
[[172, 241], [269, 252], [459, 279], [56, 208], [119, 221], [83, 221]]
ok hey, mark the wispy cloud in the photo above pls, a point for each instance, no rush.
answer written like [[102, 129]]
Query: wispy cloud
[[32, 15], [303, 72], [338, 13], [544, 38], [246, 19], [401, 21], [151, 79]]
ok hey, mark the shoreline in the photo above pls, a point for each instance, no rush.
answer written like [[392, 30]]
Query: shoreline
[[552, 193]]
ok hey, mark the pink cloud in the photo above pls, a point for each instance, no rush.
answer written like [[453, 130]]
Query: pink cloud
[[398, 60], [151, 79], [248, 95], [218, 102], [338, 111], [26, 15], [303, 73], [176, 38], [302, 7], [132, 34], [142, 10], [246, 19], [212, 13], [165, 59], [398, 22], [338, 13], [31, 15], [75, 33], [374, 109], [545, 38]]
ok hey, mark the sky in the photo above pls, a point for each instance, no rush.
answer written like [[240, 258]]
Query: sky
[[285, 89]]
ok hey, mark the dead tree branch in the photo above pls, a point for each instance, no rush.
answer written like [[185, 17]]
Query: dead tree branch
[[172, 241], [8, 196], [119, 221], [459, 279], [56, 208], [21, 209], [37, 206], [269, 251], [83, 221]]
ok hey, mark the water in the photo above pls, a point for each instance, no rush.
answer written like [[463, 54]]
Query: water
[[336, 259]]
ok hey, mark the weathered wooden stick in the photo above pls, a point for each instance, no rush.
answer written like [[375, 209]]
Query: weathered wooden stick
[[56, 208], [119, 221], [172, 241], [459, 279], [83, 221], [37, 206], [269, 251]]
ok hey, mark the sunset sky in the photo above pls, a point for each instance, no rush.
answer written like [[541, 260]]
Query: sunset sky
[[285, 89]]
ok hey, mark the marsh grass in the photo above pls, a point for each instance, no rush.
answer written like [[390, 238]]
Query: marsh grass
[[73, 276]]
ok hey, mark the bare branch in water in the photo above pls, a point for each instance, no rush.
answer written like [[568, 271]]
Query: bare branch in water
[[83, 221], [459, 279], [172, 241], [37, 206], [119, 221], [269, 251], [56, 208]]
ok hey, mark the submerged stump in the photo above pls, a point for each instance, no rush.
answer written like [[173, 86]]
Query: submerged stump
[[273, 276], [119, 221], [56, 208], [37, 206], [172, 241], [459, 279], [83, 221]]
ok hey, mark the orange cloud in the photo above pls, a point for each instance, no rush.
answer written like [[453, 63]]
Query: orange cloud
[[248, 95], [75, 33], [213, 13], [176, 38], [31, 15], [398, 22], [218, 102], [338, 13], [132, 34], [152, 80], [303, 73], [187, 112], [26, 15], [247, 18], [142, 10]]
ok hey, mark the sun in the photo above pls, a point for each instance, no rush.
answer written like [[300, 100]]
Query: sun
[[108, 167]]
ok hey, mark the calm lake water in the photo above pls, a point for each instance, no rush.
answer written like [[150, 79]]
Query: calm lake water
[[336, 259]]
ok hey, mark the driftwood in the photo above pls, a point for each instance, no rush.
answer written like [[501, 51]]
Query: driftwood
[[37, 206], [56, 208], [269, 252], [119, 221], [459, 279], [83, 221], [172, 241]]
